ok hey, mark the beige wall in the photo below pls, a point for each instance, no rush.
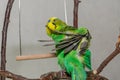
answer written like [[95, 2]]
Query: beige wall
[[101, 17]]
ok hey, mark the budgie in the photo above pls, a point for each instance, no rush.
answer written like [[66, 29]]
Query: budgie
[[71, 47]]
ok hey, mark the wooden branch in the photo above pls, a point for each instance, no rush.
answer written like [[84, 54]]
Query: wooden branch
[[50, 76], [12, 76], [36, 56], [75, 13], [110, 57], [63, 75], [4, 35], [55, 76]]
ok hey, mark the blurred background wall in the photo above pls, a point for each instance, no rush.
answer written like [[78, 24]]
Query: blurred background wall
[[101, 17]]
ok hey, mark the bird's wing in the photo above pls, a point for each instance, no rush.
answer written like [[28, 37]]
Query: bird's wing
[[69, 44]]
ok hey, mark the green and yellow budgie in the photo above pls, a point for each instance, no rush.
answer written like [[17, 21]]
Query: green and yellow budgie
[[71, 47]]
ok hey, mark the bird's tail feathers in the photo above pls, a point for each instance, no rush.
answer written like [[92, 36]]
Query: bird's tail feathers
[[79, 73]]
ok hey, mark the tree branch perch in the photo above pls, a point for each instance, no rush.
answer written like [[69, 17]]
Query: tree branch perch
[[4, 36]]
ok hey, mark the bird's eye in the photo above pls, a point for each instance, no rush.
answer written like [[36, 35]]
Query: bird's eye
[[48, 20], [54, 20]]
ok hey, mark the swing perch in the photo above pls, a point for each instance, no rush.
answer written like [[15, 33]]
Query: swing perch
[[48, 55], [36, 56]]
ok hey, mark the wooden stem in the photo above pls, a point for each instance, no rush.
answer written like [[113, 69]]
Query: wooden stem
[[110, 57], [75, 13], [13, 76], [4, 36]]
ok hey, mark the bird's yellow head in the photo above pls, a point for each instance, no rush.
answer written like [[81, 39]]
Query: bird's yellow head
[[54, 24]]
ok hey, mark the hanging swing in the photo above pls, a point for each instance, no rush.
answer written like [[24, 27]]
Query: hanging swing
[[36, 56]]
